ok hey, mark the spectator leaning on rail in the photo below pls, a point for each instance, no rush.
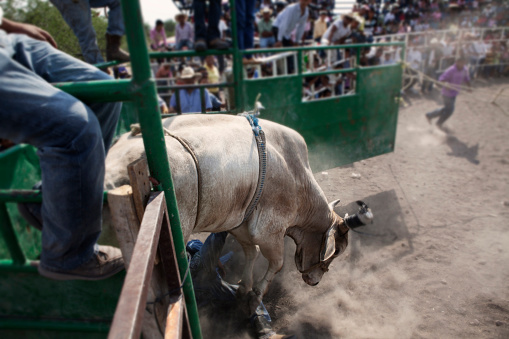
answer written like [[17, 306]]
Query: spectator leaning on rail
[[454, 77], [72, 140], [184, 34], [292, 17], [77, 14], [340, 29], [190, 99]]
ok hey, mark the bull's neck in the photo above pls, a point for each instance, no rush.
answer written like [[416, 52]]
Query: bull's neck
[[314, 214]]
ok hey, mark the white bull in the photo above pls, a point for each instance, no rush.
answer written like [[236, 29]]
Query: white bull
[[292, 203]]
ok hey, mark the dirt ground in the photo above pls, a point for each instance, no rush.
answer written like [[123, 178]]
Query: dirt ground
[[435, 264]]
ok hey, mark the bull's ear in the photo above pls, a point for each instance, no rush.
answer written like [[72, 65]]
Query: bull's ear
[[333, 204], [329, 247]]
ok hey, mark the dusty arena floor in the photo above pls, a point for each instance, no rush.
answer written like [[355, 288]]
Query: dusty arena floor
[[435, 264]]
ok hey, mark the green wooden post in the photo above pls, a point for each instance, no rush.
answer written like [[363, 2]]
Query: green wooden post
[[145, 98]]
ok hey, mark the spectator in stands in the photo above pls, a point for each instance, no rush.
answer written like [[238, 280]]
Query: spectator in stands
[[214, 100], [212, 74], [320, 26], [164, 71], [454, 76], [431, 58], [77, 14], [190, 99], [265, 29], [158, 37], [340, 29], [370, 22], [292, 17], [207, 35], [184, 35], [72, 139]]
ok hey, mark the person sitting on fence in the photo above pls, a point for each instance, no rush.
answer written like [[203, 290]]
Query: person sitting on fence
[[72, 140], [190, 99], [184, 34], [158, 37], [213, 293], [265, 29], [340, 30], [453, 77]]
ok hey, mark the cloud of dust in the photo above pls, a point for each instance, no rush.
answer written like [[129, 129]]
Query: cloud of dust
[[355, 299]]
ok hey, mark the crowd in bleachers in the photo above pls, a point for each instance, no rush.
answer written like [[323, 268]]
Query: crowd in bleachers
[[266, 24]]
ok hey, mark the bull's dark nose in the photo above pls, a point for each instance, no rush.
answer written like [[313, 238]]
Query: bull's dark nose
[[315, 284]]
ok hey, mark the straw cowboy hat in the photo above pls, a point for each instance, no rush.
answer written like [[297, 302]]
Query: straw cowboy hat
[[266, 10], [180, 15], [188, 73], [353, 16]]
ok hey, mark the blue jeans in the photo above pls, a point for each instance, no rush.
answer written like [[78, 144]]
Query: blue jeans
[[445, 112], [245, 23], [184, 42], [77, 14], [202, 31], [72, 139], [267, 42]]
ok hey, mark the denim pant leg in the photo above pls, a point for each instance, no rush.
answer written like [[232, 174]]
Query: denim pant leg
[[249, 27], [70, 142], [115, 18], [77, 15], [213, 22], [240, 7], [447, 110], [200, 29]]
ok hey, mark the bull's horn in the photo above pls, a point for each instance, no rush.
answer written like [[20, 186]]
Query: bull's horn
[[333, 204], [361, 218]]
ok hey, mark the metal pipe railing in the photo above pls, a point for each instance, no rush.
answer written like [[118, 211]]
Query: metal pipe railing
[[151, 126]]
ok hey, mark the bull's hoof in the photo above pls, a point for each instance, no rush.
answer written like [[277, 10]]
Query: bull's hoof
[[254, 300], [242, 291]]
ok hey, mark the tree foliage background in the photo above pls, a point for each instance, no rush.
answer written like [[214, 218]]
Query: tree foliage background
[[43, 14]]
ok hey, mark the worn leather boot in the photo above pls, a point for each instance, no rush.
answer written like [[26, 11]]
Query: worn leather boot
[[105, 263], [113, 50]]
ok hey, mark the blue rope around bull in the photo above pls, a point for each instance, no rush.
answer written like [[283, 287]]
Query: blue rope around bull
[[262, 156]]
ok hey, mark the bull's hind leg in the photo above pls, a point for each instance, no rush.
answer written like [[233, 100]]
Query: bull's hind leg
[[250, 252]]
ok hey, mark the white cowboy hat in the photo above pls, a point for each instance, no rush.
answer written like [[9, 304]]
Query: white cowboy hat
[[188, 73]]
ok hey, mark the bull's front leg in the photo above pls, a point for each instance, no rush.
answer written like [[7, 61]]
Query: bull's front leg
[[251, 253], [273, 251]]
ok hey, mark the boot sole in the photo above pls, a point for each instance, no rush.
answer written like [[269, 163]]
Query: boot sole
[[75, 276]]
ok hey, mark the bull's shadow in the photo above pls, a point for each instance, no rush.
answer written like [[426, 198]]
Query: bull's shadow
[[388, 228]]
